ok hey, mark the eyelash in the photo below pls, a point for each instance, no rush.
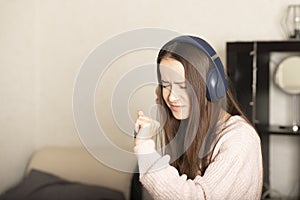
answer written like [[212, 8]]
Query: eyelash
[[181, 87]]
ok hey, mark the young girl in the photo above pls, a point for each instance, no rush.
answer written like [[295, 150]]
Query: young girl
[[207, 149]]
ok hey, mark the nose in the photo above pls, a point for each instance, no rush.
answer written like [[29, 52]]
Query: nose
[[172, 96]]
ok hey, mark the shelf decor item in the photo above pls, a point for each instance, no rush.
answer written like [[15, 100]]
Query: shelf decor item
[[291, 21], [286, 77]]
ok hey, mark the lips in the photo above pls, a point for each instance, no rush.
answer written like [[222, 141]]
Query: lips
[[175, 107]]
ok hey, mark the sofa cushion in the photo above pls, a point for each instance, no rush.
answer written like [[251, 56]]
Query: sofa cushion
[[77, 164], [38, 185]]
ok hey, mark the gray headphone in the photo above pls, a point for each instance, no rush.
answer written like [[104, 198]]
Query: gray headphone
[[216, 82]]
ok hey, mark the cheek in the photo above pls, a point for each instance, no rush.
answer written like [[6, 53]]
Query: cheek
[[187, 99], [186, 96], [165, 94]]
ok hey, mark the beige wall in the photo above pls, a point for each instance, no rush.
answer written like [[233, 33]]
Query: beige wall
[[44, 42]]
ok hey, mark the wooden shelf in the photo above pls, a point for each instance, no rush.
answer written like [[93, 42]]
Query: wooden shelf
[[248, 67], [278, 130]]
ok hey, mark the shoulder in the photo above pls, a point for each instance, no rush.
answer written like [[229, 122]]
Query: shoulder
[[238, 128], [239, 134]]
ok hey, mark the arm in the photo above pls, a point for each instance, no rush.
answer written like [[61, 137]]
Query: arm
[[162, 180], [235, 172]]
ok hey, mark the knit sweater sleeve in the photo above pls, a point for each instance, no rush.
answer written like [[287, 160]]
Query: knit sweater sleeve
[[234, 173]]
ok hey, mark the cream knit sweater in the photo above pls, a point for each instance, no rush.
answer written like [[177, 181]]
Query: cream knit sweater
[[234, 173]]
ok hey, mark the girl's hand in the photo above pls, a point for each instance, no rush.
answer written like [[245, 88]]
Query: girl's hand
[[145, 128]]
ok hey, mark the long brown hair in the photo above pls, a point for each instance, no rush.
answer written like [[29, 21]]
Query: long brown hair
[[190, 142]]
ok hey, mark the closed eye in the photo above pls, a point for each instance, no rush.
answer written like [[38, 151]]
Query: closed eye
[[182, 86], [165, 85]]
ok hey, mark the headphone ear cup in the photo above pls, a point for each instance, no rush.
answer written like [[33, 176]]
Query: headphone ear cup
[[215, 88]]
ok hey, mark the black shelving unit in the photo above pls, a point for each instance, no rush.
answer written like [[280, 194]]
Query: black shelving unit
[[249, 71]]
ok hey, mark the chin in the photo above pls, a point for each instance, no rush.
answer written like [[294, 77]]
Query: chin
[[179, 116]]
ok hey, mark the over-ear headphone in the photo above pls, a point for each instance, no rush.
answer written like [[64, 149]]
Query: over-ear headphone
[[216, 82]]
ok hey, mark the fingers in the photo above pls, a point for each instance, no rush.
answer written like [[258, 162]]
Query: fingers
[[140, 113], [142, 120], [142, 126], [136, 128], [145, 127]]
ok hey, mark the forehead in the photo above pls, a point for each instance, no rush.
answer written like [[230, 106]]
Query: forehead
[[171, 70]]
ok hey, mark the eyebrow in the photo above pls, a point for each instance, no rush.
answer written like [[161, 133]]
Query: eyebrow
[[177, 82]]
